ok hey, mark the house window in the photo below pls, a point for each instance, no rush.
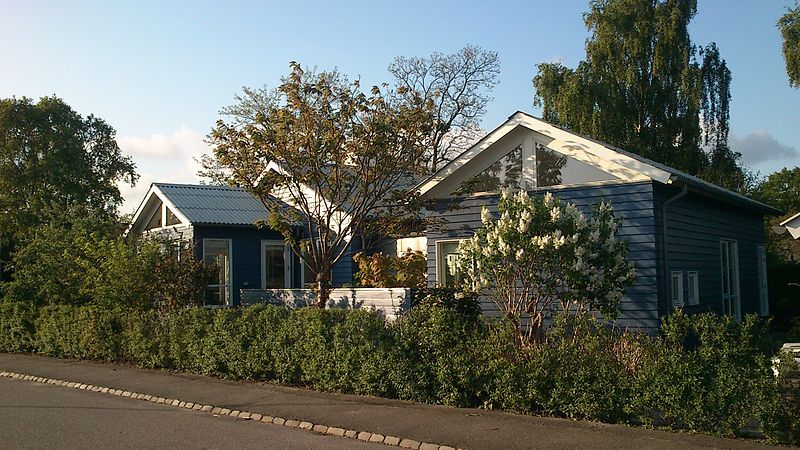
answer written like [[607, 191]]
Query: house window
[[729, 256], [276, 270], [677, 289], [446, 256], [504, 173], [217, 252], [763, 297], [553, 168], [692, 288]]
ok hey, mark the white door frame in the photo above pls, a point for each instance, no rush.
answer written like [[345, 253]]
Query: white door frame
[[733, 298], [287, 261]]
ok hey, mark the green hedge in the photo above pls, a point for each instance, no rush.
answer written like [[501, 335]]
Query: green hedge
[[704, 373]]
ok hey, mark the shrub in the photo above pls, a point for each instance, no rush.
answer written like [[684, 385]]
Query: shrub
[[17, 330], [466, 305], [780, 412], [383, 271], [705, 372]]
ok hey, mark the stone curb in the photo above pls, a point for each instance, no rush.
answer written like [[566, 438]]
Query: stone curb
[[242, 415]]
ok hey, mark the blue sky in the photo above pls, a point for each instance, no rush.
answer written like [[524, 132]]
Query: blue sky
[[159, 71]]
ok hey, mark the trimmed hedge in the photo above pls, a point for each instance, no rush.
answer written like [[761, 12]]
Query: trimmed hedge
[[704, 373]]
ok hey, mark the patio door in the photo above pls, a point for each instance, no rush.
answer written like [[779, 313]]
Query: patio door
[[731, 301], [276, 266]]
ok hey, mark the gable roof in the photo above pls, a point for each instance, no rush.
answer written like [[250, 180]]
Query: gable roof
[[197, 204], [568, 142]]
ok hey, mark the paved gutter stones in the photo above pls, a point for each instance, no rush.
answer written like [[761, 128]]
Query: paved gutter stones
[[243, 415]]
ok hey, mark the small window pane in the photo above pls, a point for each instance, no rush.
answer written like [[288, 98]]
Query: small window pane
[[447, 253], [553, 168], [172, 219], [274, 277]]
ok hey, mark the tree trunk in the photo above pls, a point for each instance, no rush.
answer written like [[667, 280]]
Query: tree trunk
[[323, 288]]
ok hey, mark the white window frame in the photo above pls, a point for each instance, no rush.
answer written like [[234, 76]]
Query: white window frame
[[287, 261], [763, 287], [439, 244], [693, 288], [676, 294], [229, 285], [732, 300]]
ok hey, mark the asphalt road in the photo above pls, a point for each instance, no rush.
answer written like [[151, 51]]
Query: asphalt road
[[35, 415]]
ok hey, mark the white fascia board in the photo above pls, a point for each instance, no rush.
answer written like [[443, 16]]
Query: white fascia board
[[567, 141], [792, 225], [563, 141], [486, 142], [184, 220]]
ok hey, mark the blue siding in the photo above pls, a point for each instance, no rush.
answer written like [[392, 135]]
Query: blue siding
[[695, 226], [633, 203], [246, 249]]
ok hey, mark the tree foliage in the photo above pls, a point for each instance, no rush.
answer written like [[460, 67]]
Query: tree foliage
[[459, 85], [543, 256], [52, 160], [789, 25], [382, 271], [644, 86], [342, 159], [81, 259]]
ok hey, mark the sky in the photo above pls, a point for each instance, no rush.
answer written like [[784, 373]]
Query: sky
[[160, 71]]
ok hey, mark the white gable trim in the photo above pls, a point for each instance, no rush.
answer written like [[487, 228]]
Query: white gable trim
[[792, 224], [139, 215], [565, 142]]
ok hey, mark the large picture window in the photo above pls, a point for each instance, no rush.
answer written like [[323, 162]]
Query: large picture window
[[217, 252]]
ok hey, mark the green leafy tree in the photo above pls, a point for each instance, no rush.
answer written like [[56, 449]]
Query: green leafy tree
[[789, 25], [52, 160], [341, 160], [644, 86], [81, 259], [459, 85]]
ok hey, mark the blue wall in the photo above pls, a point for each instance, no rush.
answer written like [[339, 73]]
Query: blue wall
[[246, 248], [695, 226], [633, 203]]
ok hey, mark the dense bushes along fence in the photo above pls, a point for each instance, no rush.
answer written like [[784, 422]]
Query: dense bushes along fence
[[704, 373]]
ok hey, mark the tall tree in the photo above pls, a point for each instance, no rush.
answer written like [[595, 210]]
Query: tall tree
[[52, 159], [459, 85], [342, 159], [789, 25], [644, 86]]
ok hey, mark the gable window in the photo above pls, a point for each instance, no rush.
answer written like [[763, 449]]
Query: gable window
[[677, 289], [553, 169], [692, 288], [729, 256], [217, 252], [275, 265], [763, 297], [446, 256], [504, 173]]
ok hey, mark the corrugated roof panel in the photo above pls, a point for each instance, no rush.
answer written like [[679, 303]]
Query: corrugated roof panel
[[222, 205]]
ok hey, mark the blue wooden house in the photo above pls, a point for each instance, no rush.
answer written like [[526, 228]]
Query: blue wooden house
[[221, 223], [695, 245]]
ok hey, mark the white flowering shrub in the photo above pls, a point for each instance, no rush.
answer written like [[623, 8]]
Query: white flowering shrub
[[543, 256]]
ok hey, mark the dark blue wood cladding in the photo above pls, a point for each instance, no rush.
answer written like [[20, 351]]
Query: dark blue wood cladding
[[247, 260], [246, 249], [695, 227], [632, 202]]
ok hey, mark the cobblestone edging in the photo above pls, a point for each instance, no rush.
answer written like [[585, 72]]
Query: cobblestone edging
[[244, 415]]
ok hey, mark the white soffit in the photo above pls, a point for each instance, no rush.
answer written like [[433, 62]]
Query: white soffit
[[792, 224], [580, 148]]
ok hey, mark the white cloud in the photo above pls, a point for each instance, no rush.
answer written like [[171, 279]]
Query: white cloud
[[160, 146], [760, 148], [169, 158]]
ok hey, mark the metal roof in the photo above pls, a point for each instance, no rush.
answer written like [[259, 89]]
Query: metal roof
[[221, 205]]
